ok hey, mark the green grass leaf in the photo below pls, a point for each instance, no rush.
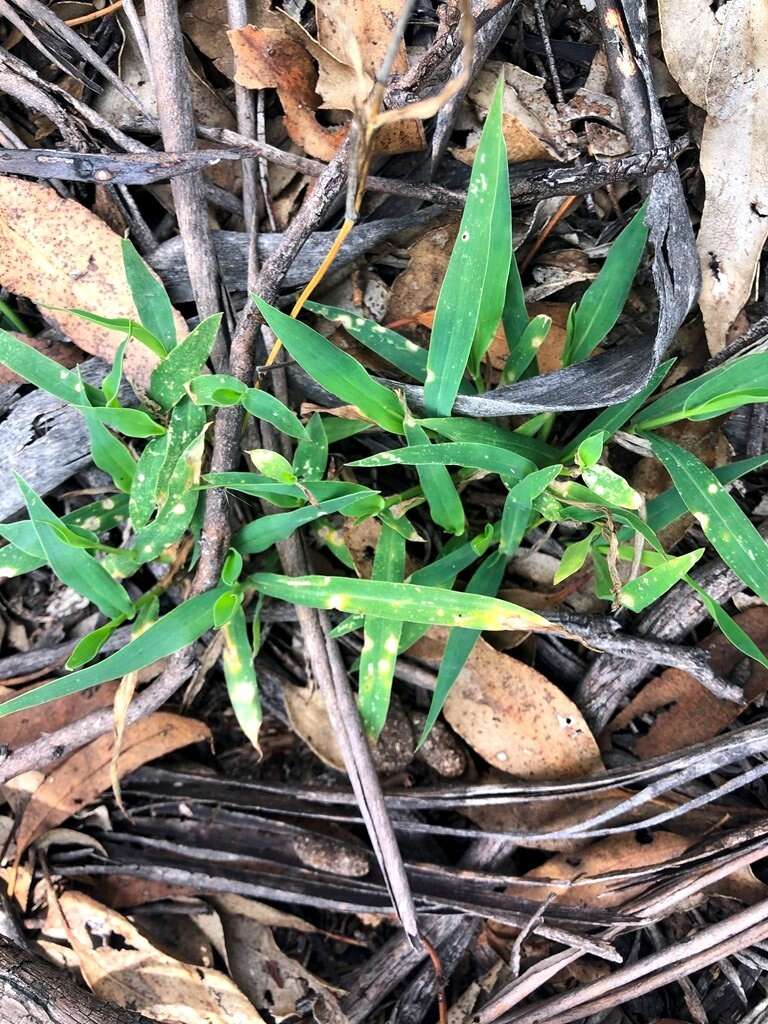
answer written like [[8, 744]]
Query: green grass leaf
[[334, 370], [124, 326], [169, 634], [169, 378], [110, 454], [472, 295], [73, 565], [643, 591], [39, 370], [518, 507], [439, 489], [457, 428], [272, 465], [742, 381], [523, 351], [240, 675], [310, 459], [381, 638], [601, 304], [451, 453], [262, 533], [406, 355], [263, 406], [574, 557], [725, 526], [407, 602], [149, 297], [219, 389], [131, 422]]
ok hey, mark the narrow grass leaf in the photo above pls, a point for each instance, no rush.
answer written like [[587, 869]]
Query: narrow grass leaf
[[518, 507], [457, 428], [180, 627], [219, 389], [600, 307], [514, 316], [240, 675], [381, 638], [39, 370], [225, 608], [611, 487], [472, 295], [110, 386], [149, 297], [310, 459], [87, 647], [110, 454], [124, 326], [408, 602], [272, 465], [131, 422], [523, 351], [406, 355], [169, 378], [740, 382], [728, 626], [574, 557], [263, 406], [334, 370], [638, 594], [451, 453], [262, 533], [439, 489], [726, 527], [74, 566]]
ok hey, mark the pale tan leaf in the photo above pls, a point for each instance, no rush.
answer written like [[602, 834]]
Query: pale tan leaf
[[720, 60], [517, 720], [140, 976], [57, 253], [86, 774], [123, 698], [614, 853]]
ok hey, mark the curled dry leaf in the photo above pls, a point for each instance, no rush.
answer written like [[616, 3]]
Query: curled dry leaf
[[676, 710], [517, 720], [720, 61], [86, 774], [269, 59], [56, 252], [335, 71], [533, 129], [126, 969]]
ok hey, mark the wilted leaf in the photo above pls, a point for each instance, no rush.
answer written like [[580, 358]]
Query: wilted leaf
[[517, 720], [56, 252], [86, 774], [131, 972], [720, 60]]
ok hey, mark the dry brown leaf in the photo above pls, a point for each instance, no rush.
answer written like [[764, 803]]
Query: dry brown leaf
[[139, 976], [261, 913], [270, 978], [121, 891], [533, 129], [720, 61], [26, 726], [517, 720], [682, 711], [614, 853], [86, 774], [309, 719], [55, 251], [269, 59]]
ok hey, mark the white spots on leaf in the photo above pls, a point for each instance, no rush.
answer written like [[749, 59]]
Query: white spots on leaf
[[430, 377], [712, 488], [384, 665], [179, 509], [147, 549], [245, 691], [483, 182], [108, 503], [92, 523], [378, 329], [411, 346], [703, 519], [390, 644], [63, 374], [140, 478], [6, 572]]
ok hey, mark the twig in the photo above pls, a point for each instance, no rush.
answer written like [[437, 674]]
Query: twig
[[84, 19], [237, 11]]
